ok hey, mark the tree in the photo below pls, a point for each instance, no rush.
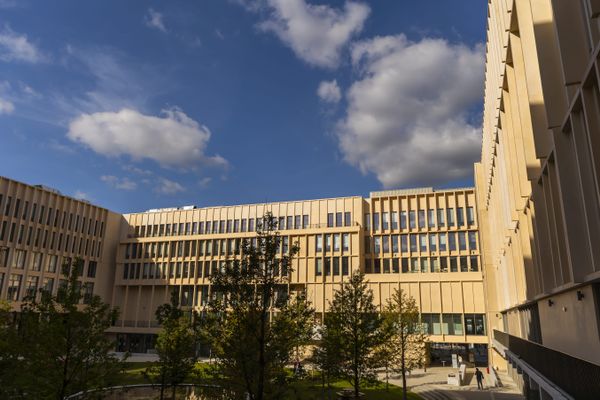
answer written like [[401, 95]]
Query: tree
[[386, 353], [353, 330], [252, 341], [408, 341], [62, 344], [175, 346]]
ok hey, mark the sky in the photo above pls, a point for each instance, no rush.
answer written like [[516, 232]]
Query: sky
[[137, 104]]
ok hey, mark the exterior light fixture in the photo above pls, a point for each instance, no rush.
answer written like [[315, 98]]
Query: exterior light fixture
[[550, 303], [580, 295]]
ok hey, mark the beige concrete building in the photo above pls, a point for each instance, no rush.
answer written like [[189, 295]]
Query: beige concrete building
[[538, 189], [423, 241]]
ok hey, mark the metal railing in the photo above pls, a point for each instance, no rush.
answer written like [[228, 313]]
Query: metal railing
[[577, 377]]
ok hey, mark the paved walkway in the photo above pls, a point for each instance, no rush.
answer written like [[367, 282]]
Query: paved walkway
[[432, 385]]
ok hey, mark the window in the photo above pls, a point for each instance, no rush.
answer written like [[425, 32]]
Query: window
[[463, 264], [435, 264], [423, 242], [367, 244], [7, 207], [305, 222], [345, 241], [385, 221], [432, 323], [31, 286], [414, 265], [375, 221], [421, 219], [386, 265], [474, 264], [394, 243], [48, 285], [444, 264], [327, 266], [413, 242], [19, 259], [443, 244], [338, 219], [431, 218], [319, 243], [229, 226], [440, 219], [452, 241], [88, 292], [14, 286], [432, 242], [319, 267], [395, 265], [327, 242], [470, 216], [290, 222], [296, 222], [412, 220], [345, 266], [347, 218], [377, 244], [462, 241], [424, 264], [36, 262], [404, 265], [453, 264], [394, 220], [286, 244], [452, 324], [404, 243], [402, 219], [460, 216], [52, 264], [377, 266], [251, 224], [92, 265], [281, 223], [367, 221], [472, 240], [475, 324], [336, 265], [450, 212], [386, 244]]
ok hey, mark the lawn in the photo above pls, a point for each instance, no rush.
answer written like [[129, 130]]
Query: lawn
[[308, 388]]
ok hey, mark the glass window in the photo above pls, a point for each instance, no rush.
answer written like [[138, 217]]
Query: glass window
[[470, 216], [336, 242], [305, 221], [431, 218], [367, 244], [347, 218], [432, 242], [251, 224], [463, 264], [472, 240], [36, 262], [404, 265], [452, 324], [431, 323], [435, 264], [444, 264], [450, 212], [414, 265], [460, 216], [386, 265], [395, 248], [424, 264], [402, 219], [386, 244], [327, 266], [413, 243], [339, 219], [346, 241], [377, 266], [412, 220], [336, 265], [453, 264], [281, 223], [327, 242], [421, 219], [319, 243], [440, 219], [452, 241], [296, 222], [404, 243], [367, 221], [475, 324], [345, 266], [377, 244], [474, 263], [443, 243], [423, 242], [385, 221], [329, 220], [394, 220], [375, 221], [462, 241], [14, 286]]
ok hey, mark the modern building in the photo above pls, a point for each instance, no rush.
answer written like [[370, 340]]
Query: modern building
[[538, 189], [423, 241]]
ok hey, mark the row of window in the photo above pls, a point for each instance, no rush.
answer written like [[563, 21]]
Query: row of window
[[52, 217], [452, 324], [220, 226], [422, 242], [172, 270], [36, 261], [31, 288], [53, 241], [421, 264], [431, 218]]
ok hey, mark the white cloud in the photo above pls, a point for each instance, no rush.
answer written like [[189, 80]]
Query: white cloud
[[408, 118], [204, 182], [166, 186], [154, 19], [316, 33], [329, 91], [82, 195], [16, 47], [172, 140], [6, 107], [119, 183]]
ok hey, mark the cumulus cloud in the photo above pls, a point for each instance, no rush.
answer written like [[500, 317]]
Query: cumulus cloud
[[81, 195], [154, 19], [329, 91], [166, 186], [172, 139], [119, 183], [316, 33], [408, 118], [6, 107], [17, 47]]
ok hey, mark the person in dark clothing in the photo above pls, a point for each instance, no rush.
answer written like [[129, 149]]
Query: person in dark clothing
[[479, 377]]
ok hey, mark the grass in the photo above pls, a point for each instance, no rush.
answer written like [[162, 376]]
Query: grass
[[308, 388]]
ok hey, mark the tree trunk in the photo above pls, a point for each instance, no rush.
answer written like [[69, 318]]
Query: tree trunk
[[173, 392], [403, 365]]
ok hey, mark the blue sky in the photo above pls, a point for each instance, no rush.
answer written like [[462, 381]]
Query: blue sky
[[143, 104]]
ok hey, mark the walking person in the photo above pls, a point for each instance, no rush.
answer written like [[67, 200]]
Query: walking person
[[479, 377]]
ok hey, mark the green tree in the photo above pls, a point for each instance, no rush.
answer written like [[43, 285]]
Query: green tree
[[353, 330], [175, 346], [256, 325], [407, 342], [62, 344]]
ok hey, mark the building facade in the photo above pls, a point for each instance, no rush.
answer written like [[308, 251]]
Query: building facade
[[423, 241], [538, 188]]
